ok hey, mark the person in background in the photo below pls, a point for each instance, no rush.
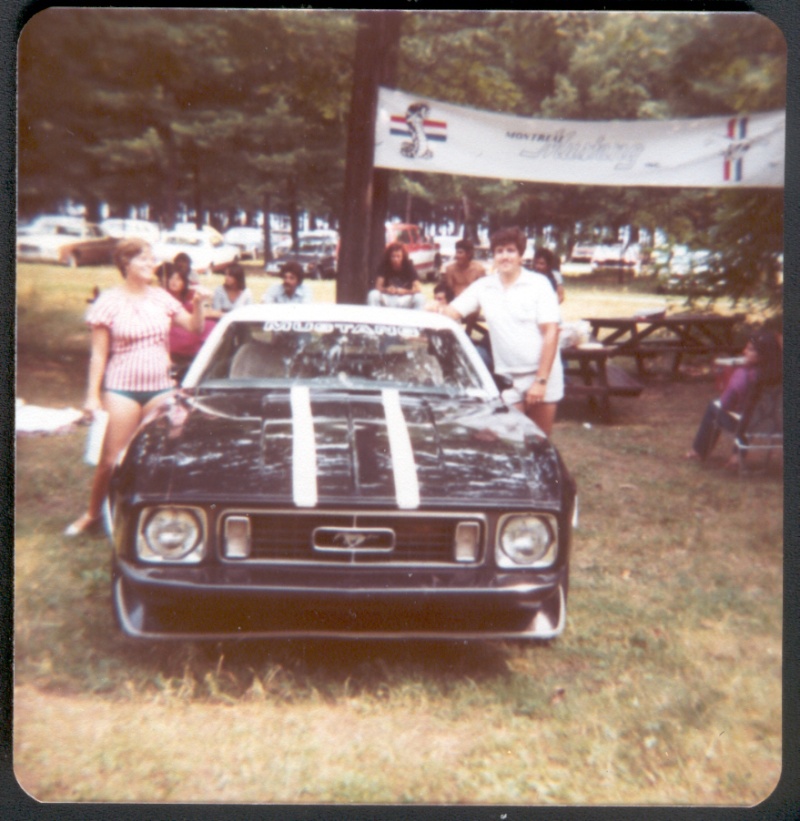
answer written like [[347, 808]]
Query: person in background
[[292, 289], [129, 368], [183, 344], [762, 367], [545, 262], [233, 293], [521, 310], [464, 270], [397, 283], [183, 263], [443, 294]]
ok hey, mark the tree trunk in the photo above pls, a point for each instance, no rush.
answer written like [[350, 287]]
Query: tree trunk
[[267, 209], [291, 199], [170, 198], [374, 39], [470, 221]]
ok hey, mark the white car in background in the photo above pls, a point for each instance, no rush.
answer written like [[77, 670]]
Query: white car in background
[[121, 228], [206, 248], [445, 251], [64, 240], [249, 240], [582, 252]]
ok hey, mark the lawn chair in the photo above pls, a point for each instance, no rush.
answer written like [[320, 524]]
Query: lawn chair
[[760, 429]]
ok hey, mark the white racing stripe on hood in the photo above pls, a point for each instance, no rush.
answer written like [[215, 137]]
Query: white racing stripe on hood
[[304, 450], [406, 484]]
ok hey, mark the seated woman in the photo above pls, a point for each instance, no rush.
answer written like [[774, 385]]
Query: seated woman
[[233, 293], [761, 368]]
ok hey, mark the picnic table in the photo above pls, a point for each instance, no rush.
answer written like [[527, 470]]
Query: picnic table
[[588, 374], [681, 334]]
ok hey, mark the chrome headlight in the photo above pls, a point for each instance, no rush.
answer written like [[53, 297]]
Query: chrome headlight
[[171, 534], [527, 540]]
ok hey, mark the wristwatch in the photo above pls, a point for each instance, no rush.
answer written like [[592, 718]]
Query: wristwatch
[[541, 380]]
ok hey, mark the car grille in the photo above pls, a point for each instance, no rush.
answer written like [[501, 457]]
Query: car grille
[[336, 538]]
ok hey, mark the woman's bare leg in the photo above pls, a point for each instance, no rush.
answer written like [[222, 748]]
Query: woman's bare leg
[[124, 415], [543, 414]]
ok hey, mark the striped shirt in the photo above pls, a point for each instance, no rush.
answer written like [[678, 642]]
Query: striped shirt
[[139, 338]]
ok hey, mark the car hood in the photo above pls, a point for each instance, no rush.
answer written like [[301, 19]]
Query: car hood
[[315, 448]]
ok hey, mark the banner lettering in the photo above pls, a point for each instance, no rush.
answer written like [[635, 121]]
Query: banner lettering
[[420, 134]]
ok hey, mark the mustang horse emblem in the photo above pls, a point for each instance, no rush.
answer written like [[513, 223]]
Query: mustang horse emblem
[[350, 540], [418, 145]]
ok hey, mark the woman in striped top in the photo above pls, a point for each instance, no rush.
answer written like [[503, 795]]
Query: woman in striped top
[[129, 369]]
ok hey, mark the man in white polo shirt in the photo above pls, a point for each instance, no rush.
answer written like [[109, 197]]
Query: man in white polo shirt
[[521, 310]]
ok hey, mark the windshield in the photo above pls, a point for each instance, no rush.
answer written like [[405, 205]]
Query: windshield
[[346, 355]]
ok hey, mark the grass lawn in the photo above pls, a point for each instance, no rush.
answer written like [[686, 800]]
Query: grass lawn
[[664, 689]]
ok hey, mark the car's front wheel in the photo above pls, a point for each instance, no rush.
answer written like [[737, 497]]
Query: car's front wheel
[[72, 260]]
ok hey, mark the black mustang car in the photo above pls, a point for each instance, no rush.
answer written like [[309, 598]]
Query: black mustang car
[[332, 470]]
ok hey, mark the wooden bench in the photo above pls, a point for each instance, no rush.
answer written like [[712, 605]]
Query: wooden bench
[[587, 375]]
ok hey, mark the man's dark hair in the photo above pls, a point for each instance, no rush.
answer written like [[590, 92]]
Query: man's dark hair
[[293, 267], [444, 288], [509, 236], [465, 245]]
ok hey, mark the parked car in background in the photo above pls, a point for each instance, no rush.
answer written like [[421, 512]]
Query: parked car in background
[[281, 243], [64, 240], [421, 250], [658, 260], [120, 228], [607, 256], [617, 256], [340, 471], [316, 254], [248, 240], [206, 248], [445, 251], [582, 252], [692, 272]]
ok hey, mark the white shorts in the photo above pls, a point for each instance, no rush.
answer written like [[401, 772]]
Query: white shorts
[[554, 390]]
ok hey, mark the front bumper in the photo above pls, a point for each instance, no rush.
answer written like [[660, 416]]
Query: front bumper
[[225, 602]]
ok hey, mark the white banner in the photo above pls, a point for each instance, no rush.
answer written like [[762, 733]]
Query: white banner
[[419, 134]]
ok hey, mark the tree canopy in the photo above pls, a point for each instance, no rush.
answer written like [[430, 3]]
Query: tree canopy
[[217, 110]]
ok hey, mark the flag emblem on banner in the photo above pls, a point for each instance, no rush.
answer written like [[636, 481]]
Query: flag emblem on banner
[[420, 129], [733, 158]]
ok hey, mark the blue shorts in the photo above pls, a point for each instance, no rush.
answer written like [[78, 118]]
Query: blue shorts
[[142, 397]]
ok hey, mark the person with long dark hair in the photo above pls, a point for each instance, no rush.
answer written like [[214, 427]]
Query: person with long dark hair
[[183, 344], [545, 262], [233, 293], [397, 282], [761, 368]]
